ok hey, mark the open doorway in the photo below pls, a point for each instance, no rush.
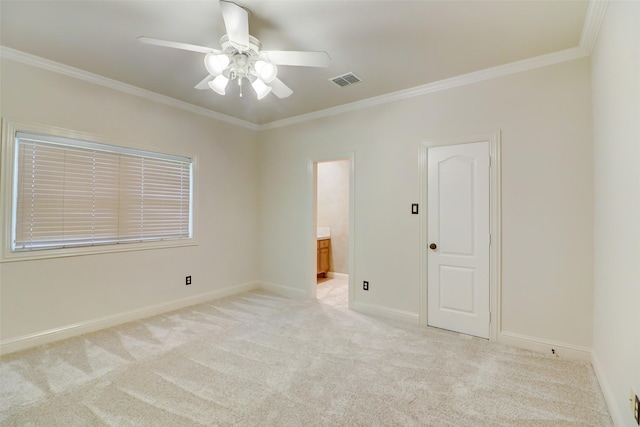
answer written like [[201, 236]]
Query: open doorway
[[332, 237]]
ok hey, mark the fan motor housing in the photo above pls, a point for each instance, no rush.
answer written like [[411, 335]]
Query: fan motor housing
[[230, 49], [242, 59]]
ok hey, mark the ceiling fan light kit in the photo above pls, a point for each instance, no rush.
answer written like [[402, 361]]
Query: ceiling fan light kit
[[215, 63], [233, 64], [241, 57], [219, 84], [266, 70], [261, 88]]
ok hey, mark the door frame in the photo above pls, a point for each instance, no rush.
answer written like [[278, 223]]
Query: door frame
[[495, 225], [312, 260]]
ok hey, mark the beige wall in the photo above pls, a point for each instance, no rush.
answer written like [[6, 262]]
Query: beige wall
[[547, 202], [333, 210], [52, 293], [616, 120], [256, 217]]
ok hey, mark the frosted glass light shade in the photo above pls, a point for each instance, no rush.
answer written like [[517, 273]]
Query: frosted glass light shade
[[261, 89], [219, 84], [266, 71], [215, 64]]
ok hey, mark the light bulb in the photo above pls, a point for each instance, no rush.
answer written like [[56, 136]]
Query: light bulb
[[266, 71], [219, 84], [215, 64], [261, 89]]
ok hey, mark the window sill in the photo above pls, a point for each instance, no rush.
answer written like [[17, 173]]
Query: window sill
[[9, 256]]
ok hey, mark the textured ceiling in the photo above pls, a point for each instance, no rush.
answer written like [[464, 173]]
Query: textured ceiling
[[391, 45]]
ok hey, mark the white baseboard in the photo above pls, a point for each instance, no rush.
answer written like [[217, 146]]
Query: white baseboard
[[387, 313], [334, 275], [539, 345], [285, 291], [32, 340], [618, 418]]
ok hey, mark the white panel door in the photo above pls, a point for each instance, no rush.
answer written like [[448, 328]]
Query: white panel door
[[458, 233]]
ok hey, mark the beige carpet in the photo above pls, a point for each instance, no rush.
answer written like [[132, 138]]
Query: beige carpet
[[261, 359]]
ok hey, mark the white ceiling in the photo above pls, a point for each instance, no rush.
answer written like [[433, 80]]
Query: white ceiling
[[391, 45]]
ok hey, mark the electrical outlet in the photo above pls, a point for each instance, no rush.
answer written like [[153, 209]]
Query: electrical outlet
[[635, 407], [365, 285], [188, 280]]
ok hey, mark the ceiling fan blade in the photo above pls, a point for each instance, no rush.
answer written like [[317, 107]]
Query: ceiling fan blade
[[204, 83], [236, 21], [280, 89], [177, 45], [301, 59]]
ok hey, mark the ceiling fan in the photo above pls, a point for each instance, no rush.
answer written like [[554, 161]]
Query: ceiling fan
[[240, 57]]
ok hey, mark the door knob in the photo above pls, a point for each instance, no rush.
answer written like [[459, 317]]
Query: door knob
[[433, 246]]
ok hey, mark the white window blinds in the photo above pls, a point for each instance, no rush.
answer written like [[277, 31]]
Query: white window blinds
[[76, 193]]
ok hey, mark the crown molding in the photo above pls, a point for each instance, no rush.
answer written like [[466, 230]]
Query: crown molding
[[453, 82], [592, 23], [56, 67], [590, 30]]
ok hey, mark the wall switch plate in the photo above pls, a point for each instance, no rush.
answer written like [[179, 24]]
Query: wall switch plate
[[188, 280], [365, 285], [635, 406], [414, 209]]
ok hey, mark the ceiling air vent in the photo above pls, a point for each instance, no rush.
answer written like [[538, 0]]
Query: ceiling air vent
[[346, 79]]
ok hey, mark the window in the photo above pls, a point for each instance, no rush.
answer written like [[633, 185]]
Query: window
[[70, 193]]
